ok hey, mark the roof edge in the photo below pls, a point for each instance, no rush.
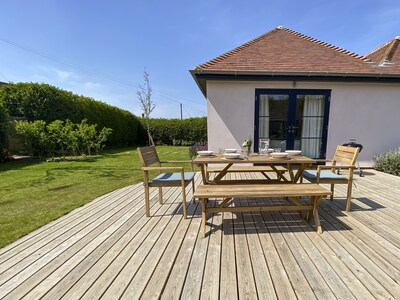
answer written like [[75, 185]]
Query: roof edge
[[239, 48], [382, 46], [280, 73], [325, 44]]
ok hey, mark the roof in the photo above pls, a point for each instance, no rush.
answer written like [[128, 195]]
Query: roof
[[387, 55], [282, 51]]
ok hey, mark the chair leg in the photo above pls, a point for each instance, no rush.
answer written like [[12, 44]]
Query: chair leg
[[332, 190], [194, 200], [160, 195], [349, 190], [184, 202], [147, 200]]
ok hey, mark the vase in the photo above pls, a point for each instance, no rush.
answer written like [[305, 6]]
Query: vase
[[247, 152]]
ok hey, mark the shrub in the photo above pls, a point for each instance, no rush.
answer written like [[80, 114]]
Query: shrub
[[176, 131], [388, 162], [33, 135], [34, 101], [3, 126], [57, 136]]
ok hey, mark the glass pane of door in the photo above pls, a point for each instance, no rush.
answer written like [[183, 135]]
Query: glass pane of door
[[309, 123], [273, 119]]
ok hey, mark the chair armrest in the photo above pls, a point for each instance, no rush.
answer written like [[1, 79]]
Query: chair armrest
[[179, 161], [162, 168], [336, 167]]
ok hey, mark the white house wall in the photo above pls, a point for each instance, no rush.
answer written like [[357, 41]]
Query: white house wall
[[367, 112]]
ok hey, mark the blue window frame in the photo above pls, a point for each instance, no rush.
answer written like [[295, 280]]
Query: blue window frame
[[293, 118]]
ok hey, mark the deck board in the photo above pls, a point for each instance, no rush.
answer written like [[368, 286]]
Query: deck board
[[109, 249]]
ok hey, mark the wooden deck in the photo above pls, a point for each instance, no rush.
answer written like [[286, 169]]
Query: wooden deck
[[109, 249]]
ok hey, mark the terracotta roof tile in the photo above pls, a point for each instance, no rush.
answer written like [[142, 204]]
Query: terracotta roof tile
[[285, 50]]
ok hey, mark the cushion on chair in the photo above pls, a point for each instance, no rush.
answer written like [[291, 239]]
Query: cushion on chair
[[173, 177], [325, 174]]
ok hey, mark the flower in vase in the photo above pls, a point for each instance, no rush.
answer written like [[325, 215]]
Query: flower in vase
[[247, 142]]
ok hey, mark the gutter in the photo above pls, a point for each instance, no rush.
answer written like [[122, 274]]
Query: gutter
[[200, 74]]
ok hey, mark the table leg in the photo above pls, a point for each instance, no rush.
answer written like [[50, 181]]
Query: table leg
[[204, 174], [279, 174], [221, 174], [302, 167], [290, 170]]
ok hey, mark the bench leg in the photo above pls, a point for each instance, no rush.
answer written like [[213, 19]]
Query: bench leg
[[203, 217], [316, 201]]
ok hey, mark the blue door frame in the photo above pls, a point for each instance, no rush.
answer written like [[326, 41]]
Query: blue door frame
[[292, 93]]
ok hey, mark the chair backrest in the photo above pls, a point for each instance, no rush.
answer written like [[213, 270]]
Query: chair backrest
[[148, 156], [346, 155]]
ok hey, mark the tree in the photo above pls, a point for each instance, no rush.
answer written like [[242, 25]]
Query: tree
[[144, 95]]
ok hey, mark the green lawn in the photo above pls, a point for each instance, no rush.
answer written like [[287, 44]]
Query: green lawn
[[33, 194]]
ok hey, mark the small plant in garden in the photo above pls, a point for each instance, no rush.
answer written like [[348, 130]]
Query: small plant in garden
[[388, 162], [197, 147]]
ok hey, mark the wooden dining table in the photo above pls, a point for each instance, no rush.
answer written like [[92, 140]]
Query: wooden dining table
[[295, 165]]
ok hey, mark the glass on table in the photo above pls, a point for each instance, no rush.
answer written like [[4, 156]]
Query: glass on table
[[263, 146]]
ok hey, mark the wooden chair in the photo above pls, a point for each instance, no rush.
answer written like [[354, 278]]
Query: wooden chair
[[346, 157], [148, 156]]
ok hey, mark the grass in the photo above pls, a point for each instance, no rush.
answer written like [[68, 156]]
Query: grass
[[34, 193]]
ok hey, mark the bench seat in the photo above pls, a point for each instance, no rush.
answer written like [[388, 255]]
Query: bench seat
[[292, 191]]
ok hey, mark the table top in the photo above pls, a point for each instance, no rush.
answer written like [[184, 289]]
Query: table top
[[254, 158]]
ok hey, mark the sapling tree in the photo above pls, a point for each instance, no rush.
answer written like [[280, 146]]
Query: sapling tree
[[144, 93]]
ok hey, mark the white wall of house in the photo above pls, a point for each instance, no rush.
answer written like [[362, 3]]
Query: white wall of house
[[368, 112]]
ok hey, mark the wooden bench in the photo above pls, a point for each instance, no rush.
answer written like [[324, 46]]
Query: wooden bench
[[279, 170], [291, 191]]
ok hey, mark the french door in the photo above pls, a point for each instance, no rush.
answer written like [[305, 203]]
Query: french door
[[293, 119]]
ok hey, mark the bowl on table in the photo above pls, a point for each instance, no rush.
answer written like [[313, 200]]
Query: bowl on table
[[231, 150], [279, 154], [293, 152], [205, 153], [231, 155]]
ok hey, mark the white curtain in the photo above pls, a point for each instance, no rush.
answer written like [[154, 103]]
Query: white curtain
[[312, 125], [264, 117]]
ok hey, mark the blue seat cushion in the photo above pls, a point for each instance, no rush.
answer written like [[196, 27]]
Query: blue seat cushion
[[324, 174], [173, 177]]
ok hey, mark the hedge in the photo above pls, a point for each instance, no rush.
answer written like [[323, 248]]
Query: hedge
[[34, 101], [176, 131], [3, 126]]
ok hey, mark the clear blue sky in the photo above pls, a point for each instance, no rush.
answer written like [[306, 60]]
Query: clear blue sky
[[117, 39]]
